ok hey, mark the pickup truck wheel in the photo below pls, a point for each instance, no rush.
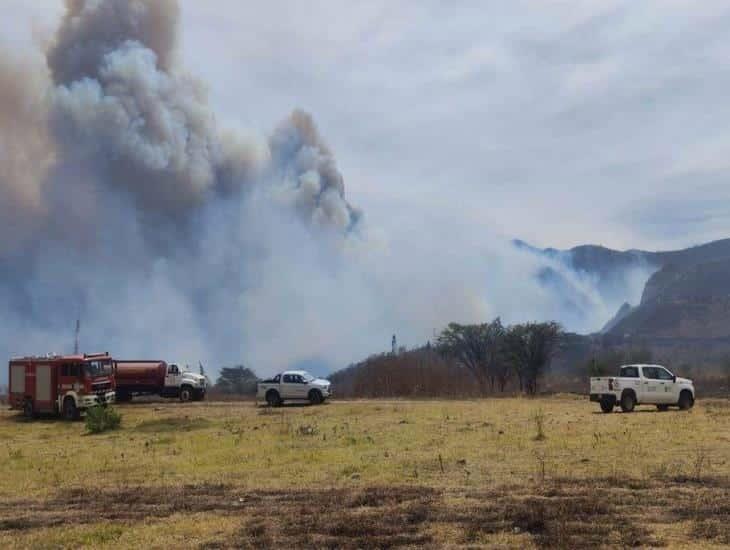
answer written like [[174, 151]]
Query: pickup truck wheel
[[272, 398], [315, 397], [607, 405], [628, 402], [186, 394], [686, 400], [70, 412], [663, 408]]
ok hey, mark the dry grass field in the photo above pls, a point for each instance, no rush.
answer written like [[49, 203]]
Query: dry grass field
[[506, 473]]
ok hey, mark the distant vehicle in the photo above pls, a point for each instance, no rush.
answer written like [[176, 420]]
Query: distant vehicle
[[66, 385], [642, 385], [157, 378], [294, 385]]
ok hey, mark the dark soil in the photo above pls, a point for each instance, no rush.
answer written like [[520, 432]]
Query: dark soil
[[563, 514]]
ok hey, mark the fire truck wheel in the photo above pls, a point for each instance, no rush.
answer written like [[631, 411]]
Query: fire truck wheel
[[70, 412], [186, 394], [28, 411]]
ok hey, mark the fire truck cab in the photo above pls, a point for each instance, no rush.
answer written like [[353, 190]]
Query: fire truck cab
[[66, 385]]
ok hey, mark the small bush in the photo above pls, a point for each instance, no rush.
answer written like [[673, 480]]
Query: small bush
[[101, 419]]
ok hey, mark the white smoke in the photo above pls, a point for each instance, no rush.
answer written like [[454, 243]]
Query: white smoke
[[151, 133], [170, 236]]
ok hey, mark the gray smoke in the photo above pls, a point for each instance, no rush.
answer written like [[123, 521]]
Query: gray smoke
[[91, 30], [133, 208], [305, 166], [125, 202], [26, 151], [122, 108]]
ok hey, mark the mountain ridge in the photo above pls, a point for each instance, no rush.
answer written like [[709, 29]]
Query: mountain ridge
[[582, 255], [684, 309]]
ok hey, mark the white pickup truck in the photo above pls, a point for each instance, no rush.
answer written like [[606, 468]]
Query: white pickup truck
[[293, 385], [642, 385]]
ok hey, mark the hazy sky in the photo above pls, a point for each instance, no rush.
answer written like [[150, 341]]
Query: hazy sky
[[557, 122]]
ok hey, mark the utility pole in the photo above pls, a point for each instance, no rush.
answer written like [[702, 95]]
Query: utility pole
[[76, 336]]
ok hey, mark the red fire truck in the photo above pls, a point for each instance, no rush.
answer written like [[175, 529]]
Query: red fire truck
[[66, 385]]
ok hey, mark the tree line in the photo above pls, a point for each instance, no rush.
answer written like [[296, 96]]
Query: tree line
[[420, 372], [495, 354], [465, 360]]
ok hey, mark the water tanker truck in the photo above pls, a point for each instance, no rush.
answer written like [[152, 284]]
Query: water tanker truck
[[154, 377]]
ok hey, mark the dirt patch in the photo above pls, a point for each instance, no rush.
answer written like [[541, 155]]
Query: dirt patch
[[563, 514], [172, 424]]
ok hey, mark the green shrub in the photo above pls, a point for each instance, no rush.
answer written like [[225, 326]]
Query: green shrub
[[101, 419]]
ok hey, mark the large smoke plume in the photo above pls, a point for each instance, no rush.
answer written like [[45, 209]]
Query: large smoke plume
[[124, 201], [26, 150]]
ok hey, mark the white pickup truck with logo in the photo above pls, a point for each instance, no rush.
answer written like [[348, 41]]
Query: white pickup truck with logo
[[642, 385], [293, 385]]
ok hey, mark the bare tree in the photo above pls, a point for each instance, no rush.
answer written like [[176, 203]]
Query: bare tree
[[467, 345], [531, 347], [498, 364], [479, 348]]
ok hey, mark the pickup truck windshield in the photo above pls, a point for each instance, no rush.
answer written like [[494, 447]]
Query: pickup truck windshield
[[308, 377], [98, 368]]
